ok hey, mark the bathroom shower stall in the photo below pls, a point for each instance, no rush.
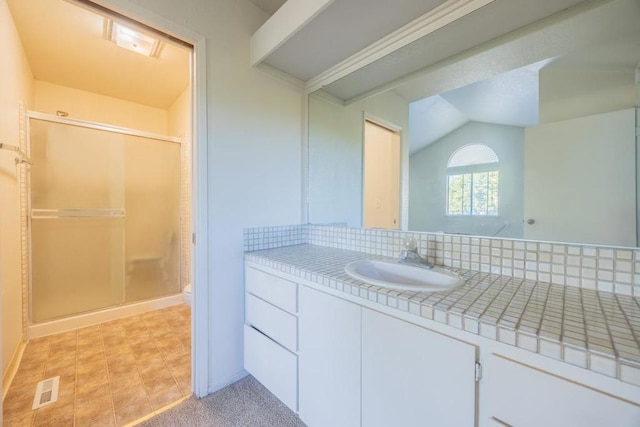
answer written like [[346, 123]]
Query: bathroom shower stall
[[104, 222]]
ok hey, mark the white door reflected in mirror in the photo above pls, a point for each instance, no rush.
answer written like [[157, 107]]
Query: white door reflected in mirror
[[381, 176]]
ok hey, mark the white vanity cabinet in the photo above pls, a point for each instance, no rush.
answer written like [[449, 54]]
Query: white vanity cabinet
[[329, 368], [520, 395], [412, 376], [340, 360], [271, 334]]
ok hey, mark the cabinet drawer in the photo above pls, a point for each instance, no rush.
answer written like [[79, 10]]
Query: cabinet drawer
[[277, 324], [272, 365], [279, 292]]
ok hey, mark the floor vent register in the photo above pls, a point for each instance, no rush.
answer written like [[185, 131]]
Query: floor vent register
[[46, 392]]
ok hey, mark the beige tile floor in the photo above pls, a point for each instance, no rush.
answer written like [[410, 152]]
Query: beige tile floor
[[110, 374]]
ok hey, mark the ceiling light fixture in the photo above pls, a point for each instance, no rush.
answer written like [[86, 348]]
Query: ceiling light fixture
[[131, 39]]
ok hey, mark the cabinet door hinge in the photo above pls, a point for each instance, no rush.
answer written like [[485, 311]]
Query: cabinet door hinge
[[478, 371]]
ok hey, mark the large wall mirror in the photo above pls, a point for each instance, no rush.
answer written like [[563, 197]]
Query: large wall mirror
[[532, 136]]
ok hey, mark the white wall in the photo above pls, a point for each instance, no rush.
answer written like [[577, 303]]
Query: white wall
[[254, 136], [83, 105], [580, 182], [15, 87], [335, 155], [428, 182]]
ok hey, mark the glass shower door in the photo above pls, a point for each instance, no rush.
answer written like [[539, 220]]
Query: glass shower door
[[86, 253], [77, 219]]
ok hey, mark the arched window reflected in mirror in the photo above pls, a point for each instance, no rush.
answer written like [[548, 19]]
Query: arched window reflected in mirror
[[472, 181]]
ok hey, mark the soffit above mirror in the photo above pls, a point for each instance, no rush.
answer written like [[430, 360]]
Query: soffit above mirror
[[321, 41], [577, 30], [458, 57], [342, 29]]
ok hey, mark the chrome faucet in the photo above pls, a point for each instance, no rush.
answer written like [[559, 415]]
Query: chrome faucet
[[410, 255]]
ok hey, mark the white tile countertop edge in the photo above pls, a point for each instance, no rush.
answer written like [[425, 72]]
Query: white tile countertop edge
[[597, 331]]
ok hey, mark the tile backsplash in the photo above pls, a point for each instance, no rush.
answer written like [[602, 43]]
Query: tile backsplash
[[602, 268], [256, 239]]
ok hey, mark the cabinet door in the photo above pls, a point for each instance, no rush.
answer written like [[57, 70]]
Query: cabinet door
[[522, 396], [328, 360], [414, 377]]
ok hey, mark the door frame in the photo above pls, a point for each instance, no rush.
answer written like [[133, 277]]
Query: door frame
[[199, 193]]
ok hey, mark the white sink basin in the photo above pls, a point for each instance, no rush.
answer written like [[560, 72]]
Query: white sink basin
[[395, 275]]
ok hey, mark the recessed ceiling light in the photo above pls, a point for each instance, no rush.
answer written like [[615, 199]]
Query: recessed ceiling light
[[131, 39]]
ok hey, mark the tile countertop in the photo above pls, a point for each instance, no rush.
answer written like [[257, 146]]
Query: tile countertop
[[599, 331]]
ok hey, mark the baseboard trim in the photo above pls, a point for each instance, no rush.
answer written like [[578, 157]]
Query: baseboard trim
[[229, 380], [12, 368]]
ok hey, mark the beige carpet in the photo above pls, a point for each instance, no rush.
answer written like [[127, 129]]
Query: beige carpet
[[246, 403]]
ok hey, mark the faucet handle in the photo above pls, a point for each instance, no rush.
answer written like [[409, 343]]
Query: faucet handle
[[410, 244]]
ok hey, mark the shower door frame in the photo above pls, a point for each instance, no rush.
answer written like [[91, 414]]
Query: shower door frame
[[107, 213], [99, 126]]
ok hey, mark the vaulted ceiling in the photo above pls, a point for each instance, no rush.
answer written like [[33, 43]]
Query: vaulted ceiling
[[64, 45], [510, 99]]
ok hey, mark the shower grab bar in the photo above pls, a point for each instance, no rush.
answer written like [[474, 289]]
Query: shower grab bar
[[77, 213], [23, 158]]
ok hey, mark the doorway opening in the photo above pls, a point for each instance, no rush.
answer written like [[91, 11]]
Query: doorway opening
[[108, 215]]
